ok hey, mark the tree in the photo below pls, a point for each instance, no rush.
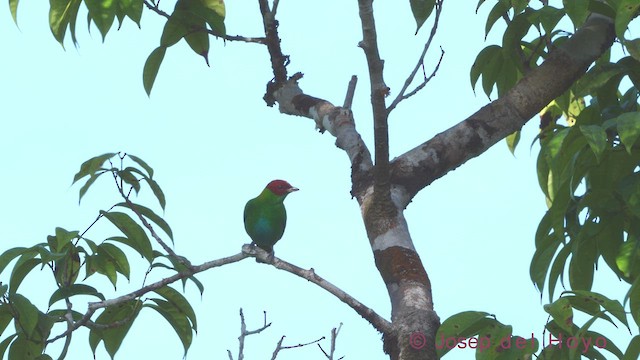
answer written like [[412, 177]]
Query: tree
[[383, 190]]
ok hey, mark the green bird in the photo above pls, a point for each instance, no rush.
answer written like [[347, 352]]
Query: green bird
[[265, 216]]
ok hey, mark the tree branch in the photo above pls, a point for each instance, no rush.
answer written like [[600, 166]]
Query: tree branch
[[279, 346], [351, 90], [248, 250], [402, 94], [379, 91], [192, 270], [431, 160], [378, 322]]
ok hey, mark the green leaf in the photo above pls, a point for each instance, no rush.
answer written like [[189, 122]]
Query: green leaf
[[91, 166], [13, 6], [498, 10], [63, 237], [24, 349], [61, 13], [5, 344], [596, 138], [180, 303], [578, 10], [542, 260], [20, 271], [583, 262], [557, 270], [5, 318], [512, 141], [134, 232], [633, 350], [516, 30], [491, 72], [633, 47], [481, 62], [213, 12], [199, 42], [142, 163], [102, 12], [629, 189], [123, 314], [614, 307], [151, 68], [176, 319], [549, 18], [9, 255], [150, 215], [562, 313], [127, 176], [627, 10], [27, 313], [132, 9], [421, 10], [117, 257], [157, 191], [629, 129], [73, 290], [595, 78]]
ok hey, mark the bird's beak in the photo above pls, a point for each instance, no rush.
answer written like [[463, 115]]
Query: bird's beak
[[292, 189]]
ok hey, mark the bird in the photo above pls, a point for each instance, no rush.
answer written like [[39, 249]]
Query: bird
[[265, 216]]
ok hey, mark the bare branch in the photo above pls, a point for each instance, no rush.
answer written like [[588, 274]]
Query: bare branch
[[377, 321], [256, 40], [351, 90], [334, 336], [244, 333], [402, 95], [279, 346], [379, 91]]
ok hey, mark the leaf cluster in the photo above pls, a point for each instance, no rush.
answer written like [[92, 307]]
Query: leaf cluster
[[73, 259]]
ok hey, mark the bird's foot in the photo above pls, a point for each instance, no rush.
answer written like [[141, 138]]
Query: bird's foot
[[261, 258]]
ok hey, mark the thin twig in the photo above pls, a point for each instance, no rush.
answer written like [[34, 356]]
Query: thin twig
[[244, 333], [279, 346], [256, 40], [334, 336], [69, 318], [377, 321], [401, 95], [351, 90]]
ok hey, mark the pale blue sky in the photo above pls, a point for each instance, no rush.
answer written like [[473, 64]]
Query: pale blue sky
[[214, 145]]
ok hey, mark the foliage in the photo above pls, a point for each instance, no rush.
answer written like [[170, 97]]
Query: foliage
[[74, 259], [587, 169]]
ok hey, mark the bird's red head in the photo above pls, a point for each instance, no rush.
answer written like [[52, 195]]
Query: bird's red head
[[280, 187]]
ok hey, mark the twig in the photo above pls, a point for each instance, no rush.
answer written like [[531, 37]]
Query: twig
[[401, 95], [377, 321], [94, 306], [279, 346], [69, 318], [244, 333], [334, 336], [256, 40], [351, 90]]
